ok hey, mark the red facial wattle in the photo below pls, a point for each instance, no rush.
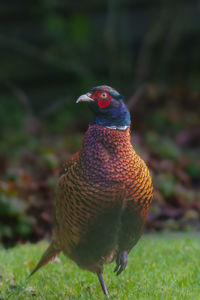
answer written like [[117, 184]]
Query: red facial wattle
[[103, 103]]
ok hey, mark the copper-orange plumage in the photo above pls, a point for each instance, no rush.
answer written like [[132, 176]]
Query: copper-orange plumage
[[104, 193]]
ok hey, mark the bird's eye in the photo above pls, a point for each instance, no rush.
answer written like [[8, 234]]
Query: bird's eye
[[104, 95]]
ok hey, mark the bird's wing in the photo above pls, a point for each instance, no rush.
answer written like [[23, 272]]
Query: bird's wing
[[54, 247], [80, 203], [69, 162], [64, 173]]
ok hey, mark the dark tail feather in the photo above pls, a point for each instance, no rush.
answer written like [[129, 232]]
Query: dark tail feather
[[48, 255]]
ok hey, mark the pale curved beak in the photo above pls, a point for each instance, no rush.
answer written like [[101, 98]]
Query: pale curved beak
[[85, 98]]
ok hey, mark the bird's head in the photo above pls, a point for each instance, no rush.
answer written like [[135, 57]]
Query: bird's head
[[108, 106]]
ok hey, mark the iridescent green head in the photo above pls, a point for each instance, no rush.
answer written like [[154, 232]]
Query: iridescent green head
[[108, 106]]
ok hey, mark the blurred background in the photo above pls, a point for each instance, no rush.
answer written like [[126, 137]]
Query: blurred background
[[52, 51]]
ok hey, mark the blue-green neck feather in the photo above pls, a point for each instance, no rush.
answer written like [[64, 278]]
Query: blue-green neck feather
[[115, 116]]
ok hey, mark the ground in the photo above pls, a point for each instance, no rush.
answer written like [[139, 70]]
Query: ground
[[164, 266]]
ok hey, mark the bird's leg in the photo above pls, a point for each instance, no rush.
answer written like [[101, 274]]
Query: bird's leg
[[121, 261], [103, 286]]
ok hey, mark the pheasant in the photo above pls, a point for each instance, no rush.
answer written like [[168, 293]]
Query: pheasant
[[104, 193]]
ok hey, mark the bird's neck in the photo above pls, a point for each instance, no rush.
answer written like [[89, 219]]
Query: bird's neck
[[109, 122], [115, 118]]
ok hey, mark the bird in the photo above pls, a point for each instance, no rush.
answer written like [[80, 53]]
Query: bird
[[104, 191]]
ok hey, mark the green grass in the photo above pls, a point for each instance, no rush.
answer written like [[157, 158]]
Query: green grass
[[163, 266]]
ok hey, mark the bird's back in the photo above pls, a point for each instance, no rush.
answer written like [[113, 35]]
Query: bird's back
[[103, 198]]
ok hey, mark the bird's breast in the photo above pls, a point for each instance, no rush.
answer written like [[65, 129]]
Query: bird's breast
[[107, 164]]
